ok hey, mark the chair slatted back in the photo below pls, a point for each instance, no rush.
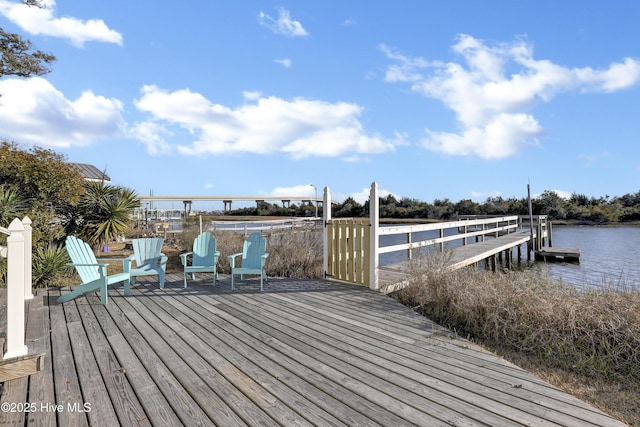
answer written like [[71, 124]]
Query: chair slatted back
[[147, 251], [204, 248], [81, 253], [252, 250]]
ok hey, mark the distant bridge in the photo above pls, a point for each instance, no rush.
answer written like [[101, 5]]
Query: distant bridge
[[227, 200]]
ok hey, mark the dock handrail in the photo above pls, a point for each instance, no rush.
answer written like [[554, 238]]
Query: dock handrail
[[466, 228], [479, 228], [18, 255]]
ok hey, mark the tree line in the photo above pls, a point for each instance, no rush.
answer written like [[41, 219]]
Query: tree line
[[578, 207]]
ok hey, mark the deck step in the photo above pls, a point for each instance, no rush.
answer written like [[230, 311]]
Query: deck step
[[21, 366]]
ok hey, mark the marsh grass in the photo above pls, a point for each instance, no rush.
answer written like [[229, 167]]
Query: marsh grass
[[587, 342]]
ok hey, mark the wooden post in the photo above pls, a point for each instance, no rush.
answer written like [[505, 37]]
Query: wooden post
[[15, 291], [326, 217], [374, 222], [464, 240], [28, 258]]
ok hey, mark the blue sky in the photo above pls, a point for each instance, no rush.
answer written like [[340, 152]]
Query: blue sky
[[430, 99]]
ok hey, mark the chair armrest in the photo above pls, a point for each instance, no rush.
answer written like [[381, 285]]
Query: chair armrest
[[126, 262], [216, 255], [183, 257], [163, 261], [232, 259], [102, 268], [263, 259], [73, 264]]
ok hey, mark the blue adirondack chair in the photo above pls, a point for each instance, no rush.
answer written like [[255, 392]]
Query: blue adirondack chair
[[204, 257], [254, 255], [150, 261], [93, 273]]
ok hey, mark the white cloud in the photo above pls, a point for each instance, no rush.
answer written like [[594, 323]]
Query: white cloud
[[303, 190], [36, 20], [32, 111], [286, 62], [299, 127], [363, 195], [283, 24], [560, 193], [591, 159], [251, 95], [492, 90], [483, 195], [152, 135]]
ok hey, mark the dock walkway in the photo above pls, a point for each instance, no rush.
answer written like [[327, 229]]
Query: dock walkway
[[394, 276], [473, 253], [304, 352]]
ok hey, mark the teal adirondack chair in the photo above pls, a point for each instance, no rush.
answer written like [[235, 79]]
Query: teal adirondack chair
[[150, 261], [254, 255], [93, 273], [204, 257]]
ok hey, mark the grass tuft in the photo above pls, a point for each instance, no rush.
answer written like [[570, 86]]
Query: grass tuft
[[592, 337]]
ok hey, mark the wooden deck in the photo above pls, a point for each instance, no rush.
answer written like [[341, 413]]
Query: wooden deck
[[301, 353]]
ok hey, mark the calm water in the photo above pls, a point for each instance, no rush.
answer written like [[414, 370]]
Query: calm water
[[608, 256]]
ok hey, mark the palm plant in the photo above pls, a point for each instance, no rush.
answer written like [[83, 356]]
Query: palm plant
[[105, 212], [49, 265], [12, 205]]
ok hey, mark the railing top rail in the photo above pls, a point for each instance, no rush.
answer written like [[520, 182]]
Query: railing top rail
[[412, 228], [266, 221], [5, 231]]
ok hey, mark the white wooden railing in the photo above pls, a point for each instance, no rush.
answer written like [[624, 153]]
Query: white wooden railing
[[266, 226], [476, 228], [18, 255]]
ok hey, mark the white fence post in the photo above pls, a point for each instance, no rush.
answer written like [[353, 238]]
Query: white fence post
[[374, 222], [28, 258], [326, 217], [15, 345]]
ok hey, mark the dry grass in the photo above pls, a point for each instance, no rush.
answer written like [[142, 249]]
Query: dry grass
[[292, 254], [587, 343]]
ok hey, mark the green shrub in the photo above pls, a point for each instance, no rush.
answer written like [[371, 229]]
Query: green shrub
[[49, 265]]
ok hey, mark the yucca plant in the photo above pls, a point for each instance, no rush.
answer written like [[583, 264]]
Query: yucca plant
[[49, 265], [106, 212], [12, 205]]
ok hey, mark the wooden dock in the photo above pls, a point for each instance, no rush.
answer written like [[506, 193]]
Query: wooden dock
[[304, 352], [558, 254], [476, 252]]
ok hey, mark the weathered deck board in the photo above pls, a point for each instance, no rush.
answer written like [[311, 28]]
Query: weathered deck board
[[41, 385], [165, 399], [470, 254], [301, 353]]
